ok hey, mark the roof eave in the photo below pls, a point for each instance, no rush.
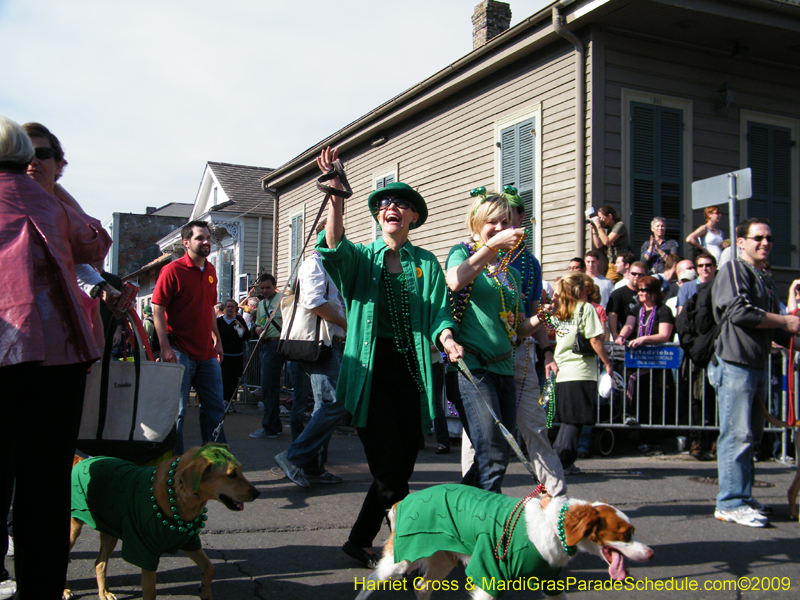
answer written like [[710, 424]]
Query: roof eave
[[364, 127]]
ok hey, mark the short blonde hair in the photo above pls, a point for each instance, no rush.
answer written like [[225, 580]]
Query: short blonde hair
[[15, 145], [485, 209]]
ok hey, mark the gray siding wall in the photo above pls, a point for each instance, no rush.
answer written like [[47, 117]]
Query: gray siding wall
[[250, 247], [450, 149]]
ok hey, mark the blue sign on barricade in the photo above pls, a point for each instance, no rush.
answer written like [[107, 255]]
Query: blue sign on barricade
[[654, 357]]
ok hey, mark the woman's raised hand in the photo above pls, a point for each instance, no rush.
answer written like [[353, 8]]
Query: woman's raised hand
[[506, 239], [324, 162]]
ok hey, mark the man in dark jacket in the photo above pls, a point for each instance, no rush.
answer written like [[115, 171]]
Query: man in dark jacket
[[747, 307]]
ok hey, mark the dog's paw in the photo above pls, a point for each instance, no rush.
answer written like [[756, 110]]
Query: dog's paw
[[204, 593], [67, 595], [108, 596]]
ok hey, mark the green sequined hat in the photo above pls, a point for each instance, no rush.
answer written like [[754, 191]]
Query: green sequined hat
[[399, 190]]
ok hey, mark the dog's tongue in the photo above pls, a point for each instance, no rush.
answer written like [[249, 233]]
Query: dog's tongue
[[617, 567], [239, 505]]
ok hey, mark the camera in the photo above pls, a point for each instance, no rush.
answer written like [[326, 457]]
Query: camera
[[590, 212]]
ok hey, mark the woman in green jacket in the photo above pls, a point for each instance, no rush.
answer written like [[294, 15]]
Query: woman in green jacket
[[396, 307]]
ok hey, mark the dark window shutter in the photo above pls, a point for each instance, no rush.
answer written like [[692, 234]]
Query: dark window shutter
[[768, 155], [656, 170], [518, 161]]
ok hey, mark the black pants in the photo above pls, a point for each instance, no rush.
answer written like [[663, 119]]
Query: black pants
[[41, 414], [231, 367], [390, 439]]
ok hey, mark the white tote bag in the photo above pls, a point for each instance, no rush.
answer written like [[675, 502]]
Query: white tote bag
[[130, 407]]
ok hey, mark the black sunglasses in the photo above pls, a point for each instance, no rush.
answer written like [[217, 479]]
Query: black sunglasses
[[705, 265], [45, 153], [645, 290], [402, 203], [632, 274], [760, 238]]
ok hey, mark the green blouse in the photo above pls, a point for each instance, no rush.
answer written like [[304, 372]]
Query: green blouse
[[481, 328], [356, 271], [571, 366]]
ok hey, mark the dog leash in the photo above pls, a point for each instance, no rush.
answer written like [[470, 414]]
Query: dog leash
[[336, 170], [506, 434]]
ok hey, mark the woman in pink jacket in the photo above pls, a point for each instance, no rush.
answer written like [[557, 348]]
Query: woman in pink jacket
[[46, 346]]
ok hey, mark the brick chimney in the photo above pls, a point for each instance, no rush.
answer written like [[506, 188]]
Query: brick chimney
[[489, 19]]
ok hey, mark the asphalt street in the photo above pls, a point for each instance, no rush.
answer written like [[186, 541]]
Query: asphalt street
[[287, 544]]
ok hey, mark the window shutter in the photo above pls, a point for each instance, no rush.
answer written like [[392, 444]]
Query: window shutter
[[224, 276], [768, 156], [518, 162], [656, 170]]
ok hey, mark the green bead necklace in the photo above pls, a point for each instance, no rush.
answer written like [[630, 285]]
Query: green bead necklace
[[173, 522], [549, 391], [570, 550], [401, 324]]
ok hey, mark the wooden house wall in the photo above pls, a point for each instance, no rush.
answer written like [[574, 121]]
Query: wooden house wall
[[249, 253], [450, 148]]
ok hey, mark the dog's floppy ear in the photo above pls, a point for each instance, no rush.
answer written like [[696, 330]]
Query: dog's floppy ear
[[193, 473], [579, 522]]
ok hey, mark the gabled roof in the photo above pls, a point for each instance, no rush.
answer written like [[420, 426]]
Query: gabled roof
[[242, 184], [174, 209]]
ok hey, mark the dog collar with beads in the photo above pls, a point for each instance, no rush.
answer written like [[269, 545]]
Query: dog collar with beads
[[508, 530], [172, 522], [570, 550]]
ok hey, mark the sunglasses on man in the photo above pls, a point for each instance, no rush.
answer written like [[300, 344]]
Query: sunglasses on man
[[45, 153], [760, 238]]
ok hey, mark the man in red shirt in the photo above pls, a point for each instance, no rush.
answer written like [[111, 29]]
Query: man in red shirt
[[186, 325]]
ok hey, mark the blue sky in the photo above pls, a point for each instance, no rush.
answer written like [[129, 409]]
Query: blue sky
[[142, 94]]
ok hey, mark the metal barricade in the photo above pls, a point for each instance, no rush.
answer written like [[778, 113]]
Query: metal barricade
[[252, 376], [682, 399]]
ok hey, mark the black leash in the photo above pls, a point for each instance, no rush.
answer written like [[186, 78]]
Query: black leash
[[336, 170]]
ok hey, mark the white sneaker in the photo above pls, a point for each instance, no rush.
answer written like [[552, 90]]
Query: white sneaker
[[764, 511], [260, 406], [7, 589], [744, 515]]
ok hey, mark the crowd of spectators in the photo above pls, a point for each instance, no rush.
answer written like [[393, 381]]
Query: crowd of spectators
[[394, 317]]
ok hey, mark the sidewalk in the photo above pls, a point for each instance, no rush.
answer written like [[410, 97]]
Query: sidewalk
[[287, 543]]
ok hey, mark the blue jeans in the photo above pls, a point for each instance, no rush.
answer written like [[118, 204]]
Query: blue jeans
[[205, 377], [310, 449], [271, 363], [302, 386], [740, 422], [491, 448]]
